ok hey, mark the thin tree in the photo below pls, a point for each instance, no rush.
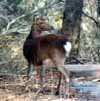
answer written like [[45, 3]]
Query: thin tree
[[72, 21]]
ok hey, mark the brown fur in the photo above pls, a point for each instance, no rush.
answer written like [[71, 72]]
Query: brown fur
[[47, 50]]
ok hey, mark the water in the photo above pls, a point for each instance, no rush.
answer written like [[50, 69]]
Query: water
[[87, 87]]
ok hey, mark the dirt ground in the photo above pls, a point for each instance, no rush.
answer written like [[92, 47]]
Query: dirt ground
[[13, 88], [18, 88]]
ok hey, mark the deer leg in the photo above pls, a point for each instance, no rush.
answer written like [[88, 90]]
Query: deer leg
[[42, 75], [59, 83], [42, 79], [29, 71], [60, 77], [66, 75], [62, 72]]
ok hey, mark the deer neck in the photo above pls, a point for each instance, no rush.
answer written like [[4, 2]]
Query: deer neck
[[36, 33]]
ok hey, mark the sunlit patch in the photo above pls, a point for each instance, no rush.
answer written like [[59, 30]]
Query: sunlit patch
[[41, 4], [15, 51], [55, 19], [84, 26]]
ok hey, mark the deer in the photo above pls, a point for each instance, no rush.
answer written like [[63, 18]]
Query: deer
[[46, 51]]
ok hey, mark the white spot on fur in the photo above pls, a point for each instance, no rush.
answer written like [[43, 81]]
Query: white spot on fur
[[68, 47]]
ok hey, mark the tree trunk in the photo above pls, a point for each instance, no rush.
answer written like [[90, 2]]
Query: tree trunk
[[72, 21], [98, 8]]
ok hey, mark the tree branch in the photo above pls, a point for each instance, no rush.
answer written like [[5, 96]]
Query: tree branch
[[97, 23], [24, 15]]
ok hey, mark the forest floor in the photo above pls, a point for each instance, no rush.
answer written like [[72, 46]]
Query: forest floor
[[14, 88]]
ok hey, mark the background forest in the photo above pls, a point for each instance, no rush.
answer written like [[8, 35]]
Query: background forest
[[79, 19], [16, 18]]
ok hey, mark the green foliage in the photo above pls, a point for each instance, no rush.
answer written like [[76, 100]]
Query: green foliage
[[14, 1]]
